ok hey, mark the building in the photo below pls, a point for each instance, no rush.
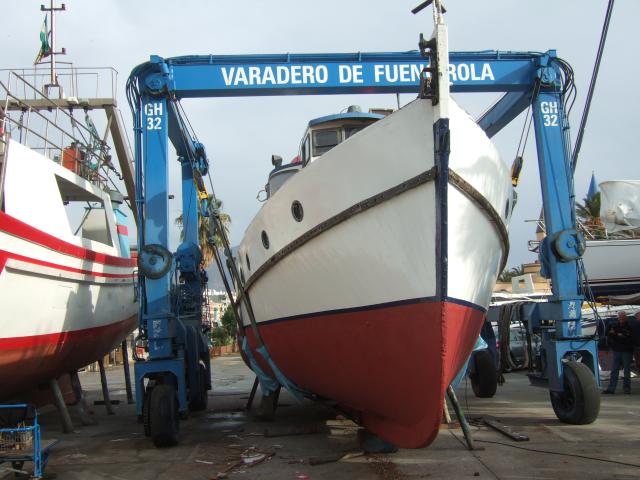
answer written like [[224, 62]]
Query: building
[[217, 303]]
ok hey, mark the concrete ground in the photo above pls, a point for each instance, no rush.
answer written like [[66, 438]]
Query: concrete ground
[[225, 442]]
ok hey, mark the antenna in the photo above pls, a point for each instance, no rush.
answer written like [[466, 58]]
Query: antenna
[[54, 77], [425, 4]]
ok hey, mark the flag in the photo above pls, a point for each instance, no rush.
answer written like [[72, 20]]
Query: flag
[[593, 187], [45, 48]]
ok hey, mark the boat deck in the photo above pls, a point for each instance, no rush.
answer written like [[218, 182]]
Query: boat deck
[[224, 440]]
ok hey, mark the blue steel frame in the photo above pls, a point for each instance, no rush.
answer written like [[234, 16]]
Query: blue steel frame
[[526, 78], [39, 457]]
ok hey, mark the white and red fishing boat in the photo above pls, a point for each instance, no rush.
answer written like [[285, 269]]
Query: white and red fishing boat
[[370, 266], [66, 276]]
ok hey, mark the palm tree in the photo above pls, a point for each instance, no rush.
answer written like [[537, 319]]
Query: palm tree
[[205, 225], [507, 275], [589, 215]]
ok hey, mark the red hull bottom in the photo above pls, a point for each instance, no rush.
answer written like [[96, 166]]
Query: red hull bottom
[[26, 362], [389, 365]]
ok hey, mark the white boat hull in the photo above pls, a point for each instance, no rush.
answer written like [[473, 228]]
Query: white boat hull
[[376, 297], [613, 266], [66, 301]]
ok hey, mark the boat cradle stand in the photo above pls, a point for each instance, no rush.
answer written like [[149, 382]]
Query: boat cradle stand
[[461, 418]]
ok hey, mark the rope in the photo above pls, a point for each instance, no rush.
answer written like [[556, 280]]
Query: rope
[[528, 121], [549, 452], [420, 179], [473, 194], [331, 222], [505, 317], [504, 334]]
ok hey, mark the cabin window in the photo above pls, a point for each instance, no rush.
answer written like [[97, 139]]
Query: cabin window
[[297, 211], [279, 177], [325, 140], [304, 154], [349, 131]]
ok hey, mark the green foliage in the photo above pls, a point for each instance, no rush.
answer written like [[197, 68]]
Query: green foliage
[[589, 215], [590, 209], [205, 224], [229, 322], [220, 336], [507, 275]]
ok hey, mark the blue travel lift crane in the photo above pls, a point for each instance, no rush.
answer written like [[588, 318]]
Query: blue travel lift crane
[[174, 377]]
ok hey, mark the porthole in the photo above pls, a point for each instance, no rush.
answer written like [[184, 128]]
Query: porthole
[[265, 240], [297, 211], [506, 210], [246, 258], [242, 276]]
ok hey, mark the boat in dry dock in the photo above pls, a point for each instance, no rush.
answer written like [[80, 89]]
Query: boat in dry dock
[[66, 276], [612, 256], [370, 266], [612, 240]]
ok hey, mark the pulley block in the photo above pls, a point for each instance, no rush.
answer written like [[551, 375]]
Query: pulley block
[[154, 261]]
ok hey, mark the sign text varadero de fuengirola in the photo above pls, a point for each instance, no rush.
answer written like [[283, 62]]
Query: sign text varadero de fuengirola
[[237, 75], [335, 74], [305, 77]]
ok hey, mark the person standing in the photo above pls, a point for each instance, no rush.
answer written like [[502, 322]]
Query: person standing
[[621, 339], [635, 327]]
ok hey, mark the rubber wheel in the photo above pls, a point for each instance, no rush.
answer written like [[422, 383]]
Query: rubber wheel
[[163, 416], [484, 380], [201, 400], [146, 417], [579, 404]]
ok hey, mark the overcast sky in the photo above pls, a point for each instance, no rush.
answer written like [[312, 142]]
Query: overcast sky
[[241, 134]]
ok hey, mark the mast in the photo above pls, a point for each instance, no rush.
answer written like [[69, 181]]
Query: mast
[[54, 77]]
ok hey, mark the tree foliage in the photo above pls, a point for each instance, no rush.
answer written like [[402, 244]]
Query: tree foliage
[[226, 333], [588, 213], [220, 336], [508, 274], [205, 225], [229, 322]]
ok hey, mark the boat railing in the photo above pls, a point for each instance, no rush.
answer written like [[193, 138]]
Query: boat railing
[[4, 139], [599, 232], [586, 230], [71, 82], [40, 123]]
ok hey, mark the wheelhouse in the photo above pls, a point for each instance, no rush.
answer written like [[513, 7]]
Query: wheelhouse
[[326, 132], [321, 135]]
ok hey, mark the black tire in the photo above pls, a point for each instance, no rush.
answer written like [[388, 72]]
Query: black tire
[[163, 416], [484, 380], [202, 397], [579, 404], [146, 417]]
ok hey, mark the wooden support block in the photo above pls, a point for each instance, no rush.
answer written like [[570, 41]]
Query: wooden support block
[[504, 429]]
